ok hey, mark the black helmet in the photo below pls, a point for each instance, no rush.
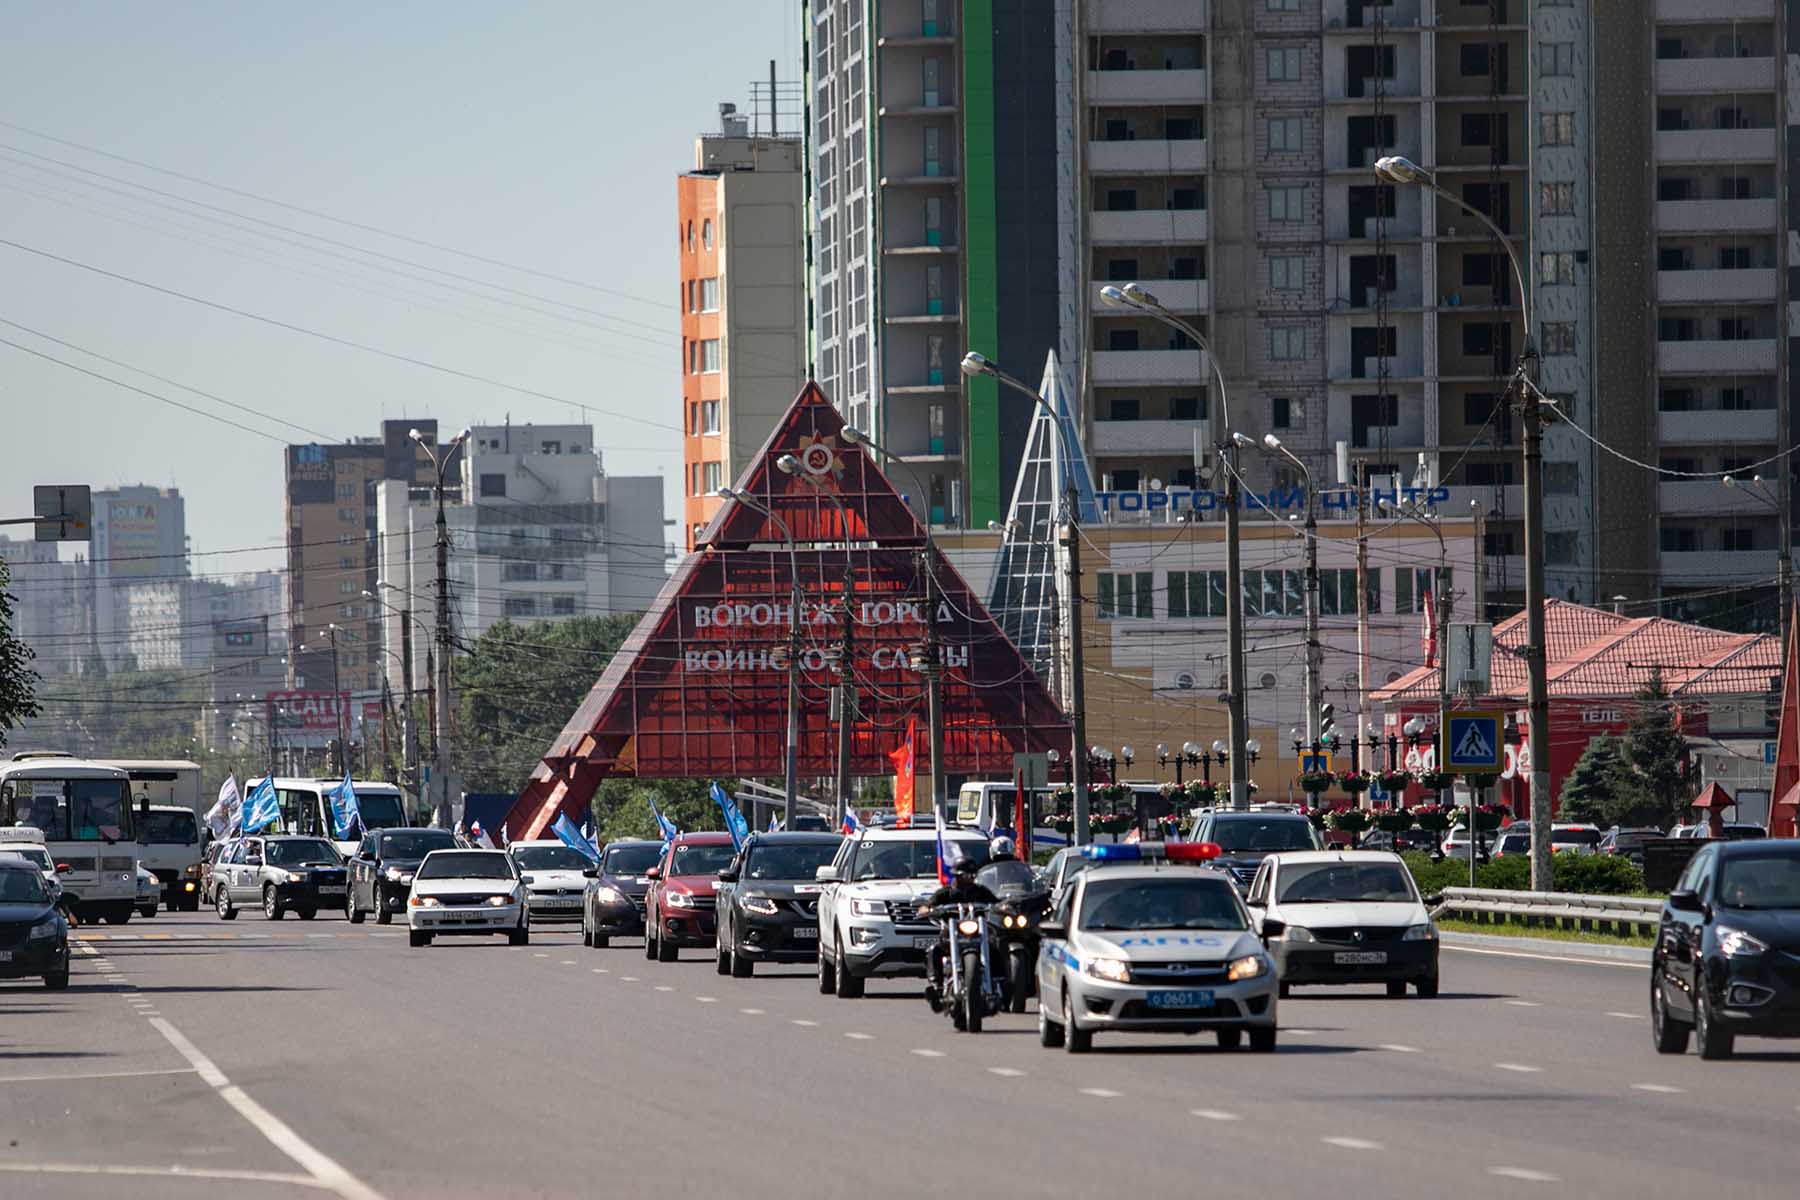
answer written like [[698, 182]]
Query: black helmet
[[962, 862]]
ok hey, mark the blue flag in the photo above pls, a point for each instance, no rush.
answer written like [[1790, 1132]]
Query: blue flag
[[346, 814], [774, 822], [261, 809], [735, 825], [670, 831], [573, 838]]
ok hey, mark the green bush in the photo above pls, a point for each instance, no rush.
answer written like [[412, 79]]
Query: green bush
[[1590, 874], [1597, 875]]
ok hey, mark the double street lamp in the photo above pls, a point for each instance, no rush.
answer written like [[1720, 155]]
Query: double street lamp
[[1758, 488], [444, 816]]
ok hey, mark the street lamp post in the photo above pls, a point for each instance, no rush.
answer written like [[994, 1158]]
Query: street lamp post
[[1315, 654], [974, 364], [1759, 488], [443, 814], [790, 775], [1395, 169], [1135, 297], [408, 736]]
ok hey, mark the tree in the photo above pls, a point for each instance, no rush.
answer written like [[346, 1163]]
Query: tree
[[1602, 787], [18, 680], [1657, 752]]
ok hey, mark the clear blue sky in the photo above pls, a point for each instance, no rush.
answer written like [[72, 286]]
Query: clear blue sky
[[545, 135]]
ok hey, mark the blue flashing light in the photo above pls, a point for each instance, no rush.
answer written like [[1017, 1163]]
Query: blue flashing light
[[1113, 852]]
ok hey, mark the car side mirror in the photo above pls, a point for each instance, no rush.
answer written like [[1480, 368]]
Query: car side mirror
[[826, 875], [591, 872], [653, 873], [1686, 901], [728, 875], [1433, 900], [527, 879], [1052, 929], [1272, 929]]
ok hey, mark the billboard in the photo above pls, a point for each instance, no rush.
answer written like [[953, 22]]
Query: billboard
[[310, 719], [134, 542]]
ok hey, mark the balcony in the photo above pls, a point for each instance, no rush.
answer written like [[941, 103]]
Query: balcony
[[1715, 145], [1151, 227], [1176, 295], [1717, 566], [1707, 498], [1147, 87], [1402, 14], [1146, 437], [1145, 16], [1716, 358], [1175, 368], [1691, 287], [1717, 76], [1716, 216], [1708, 11], [1733, 427], [1152, 156]]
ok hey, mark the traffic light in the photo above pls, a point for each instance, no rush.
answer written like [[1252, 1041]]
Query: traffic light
[[1327, 726]]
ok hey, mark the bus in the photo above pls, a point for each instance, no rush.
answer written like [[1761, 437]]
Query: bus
[[164, 781], [85, 812], [989, 805], [306, 807]]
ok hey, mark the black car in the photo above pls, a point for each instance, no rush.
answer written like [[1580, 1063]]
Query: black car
[[381, 872], [1244, 839], [1727, 956], [1412, 839], [613, 904], [1627, 843], [768, 905], [34, 938]]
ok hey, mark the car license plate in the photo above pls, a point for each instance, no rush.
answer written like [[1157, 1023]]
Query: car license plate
[[561, 902], [331, 891], [1360, 958], [468, 918], [5, 955], [805, 932], [924, 943], [1188, 999]]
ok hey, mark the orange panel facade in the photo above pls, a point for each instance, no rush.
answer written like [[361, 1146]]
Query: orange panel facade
[[702, 389]]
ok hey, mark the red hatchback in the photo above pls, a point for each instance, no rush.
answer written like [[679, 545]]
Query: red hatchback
[[679, 907]]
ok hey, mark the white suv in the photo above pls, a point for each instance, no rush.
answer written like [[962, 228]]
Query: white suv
[[868, 909]]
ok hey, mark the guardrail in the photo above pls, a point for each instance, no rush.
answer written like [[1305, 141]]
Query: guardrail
[[1566, 910]]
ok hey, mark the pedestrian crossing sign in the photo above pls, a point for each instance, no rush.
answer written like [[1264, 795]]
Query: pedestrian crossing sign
[[1472, 743], [1314, 764]]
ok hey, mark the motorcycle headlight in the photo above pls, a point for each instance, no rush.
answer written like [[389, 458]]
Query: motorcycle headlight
[[868, 908], [608, 895], [968, 927], [1115, 969], [1248, 967], [760, 904], [680, 900], [43, 929], [1735, 943], [1420, 933], [1296, 933]]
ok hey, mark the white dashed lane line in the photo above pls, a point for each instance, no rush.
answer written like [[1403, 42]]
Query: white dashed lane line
[[860, 1037], [1523, 1173], [1661, 1089], [1525, 1004], [751, 1012], [664, 988], [628, 979], [929, 1053], [1213, 1114], [1350, 1143], [1519, 1067], [1625, 1016], [804, 1024], [1397, 1048], [1102, 1093], [1006, 1072], [707, 999]]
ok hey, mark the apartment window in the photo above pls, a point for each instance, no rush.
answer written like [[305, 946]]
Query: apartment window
[[562, 606], [1674, 465], [1281, 412], [1678, 540], [1478, 408], [1678, 399], [1556, 199], [1287, 203], [1284, 63], [690, 237], [1736, 329], [1556, 58], [1738, 539], [1734, 258], [709, 355], [1121, 200], [1127, 594], [1124, 408], [1184, 266], [1559, 547], [1287, 272], [492, 485], [514, 572], [519, 606], [693, 357], [1490, 474], [346, 491], [706, 236], [694, 480], [1559, 337], [1284, 5], [1556, 267], [709, 416], [713, 477], [1122, 270], [1478, 129], [1675, 188], [1562, 478], [1284, 133], [1187, 199], [1183, 129], [1556, 128], [709, 295], [1122, 339], [347, 587], [1287, 343], [1474, 59]]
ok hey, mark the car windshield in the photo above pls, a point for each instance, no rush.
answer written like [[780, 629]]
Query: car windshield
[[1235, 834], [467, 864], [294, 852], [701, 859], [1512, 841], [1330, 883], [797, 861], [911, 859], [1737, 833], [1173, 903], [550, 858], [1760, 880], [416, 843], [1007, 873], [630, 860], [1073, 865], [379, 810], [22, 887], [171, 829], [37, 856], [1576, 837]]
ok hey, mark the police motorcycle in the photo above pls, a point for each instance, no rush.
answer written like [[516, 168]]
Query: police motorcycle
[[972, 991], [1024, 899]]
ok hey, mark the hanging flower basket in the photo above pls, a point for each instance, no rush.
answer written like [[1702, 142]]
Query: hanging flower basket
[[1395, 781], [1436, 781], [1203, 795], [1113, 826], [1317, 816], [1432, 818], [1114, 793], [1487, 817], [1354, 782], [1349, 820], [1315, 782], [1171, 791], [1063, 797], [1063, 823], [1394, 821]]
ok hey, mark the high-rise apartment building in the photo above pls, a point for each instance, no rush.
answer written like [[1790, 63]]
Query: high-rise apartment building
[[743, 302]]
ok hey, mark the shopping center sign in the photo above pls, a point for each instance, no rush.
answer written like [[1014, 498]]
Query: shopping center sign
[[1289, 499]]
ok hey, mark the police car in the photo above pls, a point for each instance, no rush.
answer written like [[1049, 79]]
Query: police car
[[1141, 942]]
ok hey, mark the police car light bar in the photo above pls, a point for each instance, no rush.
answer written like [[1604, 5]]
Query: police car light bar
[[1142, 851]]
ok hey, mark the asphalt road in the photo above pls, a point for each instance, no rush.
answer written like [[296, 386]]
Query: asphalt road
[[258, 1059]]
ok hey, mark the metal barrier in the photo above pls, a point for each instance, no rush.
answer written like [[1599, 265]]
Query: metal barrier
[[1567, 910]]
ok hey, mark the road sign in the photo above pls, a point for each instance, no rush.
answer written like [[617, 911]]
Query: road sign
[[1468, 657], [1313, 764], [1032, 770], [1377, 793], [1472, 743], [63, 512]]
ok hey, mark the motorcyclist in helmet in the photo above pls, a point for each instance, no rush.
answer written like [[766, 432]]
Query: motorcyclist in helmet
[[962, 889], [1001, 849]]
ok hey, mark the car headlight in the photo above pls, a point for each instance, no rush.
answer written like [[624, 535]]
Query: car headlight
[[1420, 933], [1735, 943], [1297, 933], [608, 895], [1115, 969], [760, 904], [43, 929], [1248, 967], [422, 901], [499, 901], [680, 900], [868, 908], [395, 874]]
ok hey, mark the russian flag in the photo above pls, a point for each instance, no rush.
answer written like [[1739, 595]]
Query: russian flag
[[479, 836], [943, 858], [851, 826]]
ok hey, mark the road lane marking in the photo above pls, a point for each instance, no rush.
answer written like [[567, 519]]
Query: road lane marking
[[1525, 1004], [1625, 1016], [1006, 1072], [1661, 1089], [860, 1037], [316, 1163], [1524, 1173], [94, 1075], [929, 1053], [1397, 1048], [664, 988], [292, 1180], [1102, 1093], [1350, 1143], [1301, 1032], [1213, 1114], [535, 954], [751, 1012], [1520, 1067], [1563, 958], [600, 971], [707, 999], [804, 1024], [628, 979], [310, 935], [568, 962]]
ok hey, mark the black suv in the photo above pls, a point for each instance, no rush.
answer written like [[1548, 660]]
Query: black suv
[[613, 904], [381, 873], [1244, 839], [768, 907]]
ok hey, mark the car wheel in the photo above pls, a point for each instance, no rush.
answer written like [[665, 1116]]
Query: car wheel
[[307, 914], [741, 967], [56, 981], [1284, 990], [1050, 1034], [352, 914], [272, 904], [383, 914], [520, 936], [222, 904], [1715, 1042], [600, 941], [1076, 1040], [118, 916], [827, 973], [849, 987], [1262, 1040], [1396, 987], [1427, 987], [666, 951], [1230, 1039], [1669, 1034], [722, 958], [417, 937], [148, 911], [649, 938], [587, 937]]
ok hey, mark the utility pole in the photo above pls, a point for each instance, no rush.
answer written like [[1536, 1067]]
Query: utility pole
[[443, 811], [337, 703], [934, 698], [1535, 636], [1315, 666], [1078, 752], [409, 734], [790, 777], [1362, 611], [846, 699], [1234, 631]]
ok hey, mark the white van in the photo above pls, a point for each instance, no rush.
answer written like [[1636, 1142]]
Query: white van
[[306, 808]]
